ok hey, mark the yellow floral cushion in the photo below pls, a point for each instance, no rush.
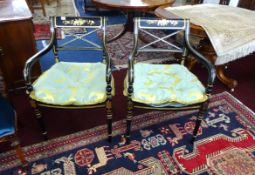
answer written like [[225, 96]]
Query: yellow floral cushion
[[67, 83], [166, 85]]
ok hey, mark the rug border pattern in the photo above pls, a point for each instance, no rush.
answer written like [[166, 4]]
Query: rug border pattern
[[83, 138]]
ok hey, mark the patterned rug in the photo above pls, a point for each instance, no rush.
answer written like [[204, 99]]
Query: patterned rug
[[121, 48], [42, 31], [160, 145]]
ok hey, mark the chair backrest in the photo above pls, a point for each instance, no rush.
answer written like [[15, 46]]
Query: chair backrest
[[162, 34], [81, 34]]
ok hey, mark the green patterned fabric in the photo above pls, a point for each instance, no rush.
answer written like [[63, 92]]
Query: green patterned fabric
[[166, 85], [68, 83]]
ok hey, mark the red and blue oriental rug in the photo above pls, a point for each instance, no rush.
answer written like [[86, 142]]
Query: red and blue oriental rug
[[160, 146]]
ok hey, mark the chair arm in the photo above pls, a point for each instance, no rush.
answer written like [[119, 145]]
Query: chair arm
[[108, 67], [36, 57], [131, 58], [131, 70], [107, 57], [209, 66], [108, 75], [130, 75]]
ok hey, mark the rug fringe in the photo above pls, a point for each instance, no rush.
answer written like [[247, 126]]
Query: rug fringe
[[236, 54]]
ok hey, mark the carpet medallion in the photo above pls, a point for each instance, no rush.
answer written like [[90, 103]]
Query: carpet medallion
[[225, 146]]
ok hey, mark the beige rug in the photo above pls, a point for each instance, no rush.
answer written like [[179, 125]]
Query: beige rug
[[231, 30]]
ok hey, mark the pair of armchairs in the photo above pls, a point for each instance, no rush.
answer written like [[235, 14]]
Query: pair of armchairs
[[87, 85]]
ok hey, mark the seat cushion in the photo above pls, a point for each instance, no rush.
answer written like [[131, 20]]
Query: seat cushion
[[7, 118], [166, 85], [67, 83]]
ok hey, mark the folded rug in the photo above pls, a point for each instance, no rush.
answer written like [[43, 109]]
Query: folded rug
[[231, 30]]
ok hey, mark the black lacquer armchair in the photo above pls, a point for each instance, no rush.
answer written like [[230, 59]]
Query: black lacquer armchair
[[169, 86], [73, 85]]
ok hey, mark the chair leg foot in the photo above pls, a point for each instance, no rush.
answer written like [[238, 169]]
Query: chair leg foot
[[45, 136], [127, 135], [129, 118], [127, 139], [199, 120], [19, 152], [24, 169], [109, 139], [109, 119], [110, 130], [200, 117]]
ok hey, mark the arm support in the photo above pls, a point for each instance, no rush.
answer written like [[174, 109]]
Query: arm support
[[209, 66], [30, 62]]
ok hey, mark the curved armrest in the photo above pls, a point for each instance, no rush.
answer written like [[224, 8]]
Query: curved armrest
[[107, 56], [209, 66], [130, 69], [108, 67], [36, 57], [108, 74], [131, 58], [131, 61]]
